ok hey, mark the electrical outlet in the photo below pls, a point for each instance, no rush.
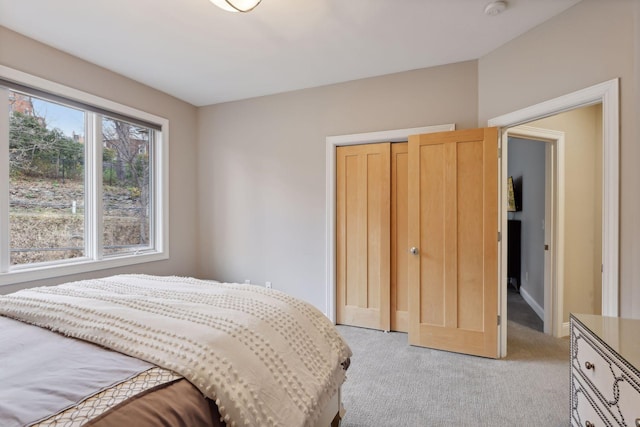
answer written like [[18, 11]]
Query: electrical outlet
[[268, 285], [247, 281]]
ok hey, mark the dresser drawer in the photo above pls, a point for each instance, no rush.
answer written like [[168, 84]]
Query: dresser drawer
[[594, 365], [587, 411], [628, 402]]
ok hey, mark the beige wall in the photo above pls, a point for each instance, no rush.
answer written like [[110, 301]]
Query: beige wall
[[582, 279], [590, 43], [632, 266], [261, 161], [257, 171], [35, 58], [597, 214], [262, 168]]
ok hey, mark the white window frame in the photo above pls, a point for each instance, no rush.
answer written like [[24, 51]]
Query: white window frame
[[93, 259]]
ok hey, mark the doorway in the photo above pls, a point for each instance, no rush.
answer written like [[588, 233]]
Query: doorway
[[559, 303], [544, 220], [562, 221], [527, 172]]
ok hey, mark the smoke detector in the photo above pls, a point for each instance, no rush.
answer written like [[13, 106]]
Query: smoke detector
[[495, 8]]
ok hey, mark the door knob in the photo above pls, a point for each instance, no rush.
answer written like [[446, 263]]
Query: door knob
[[414, 250]]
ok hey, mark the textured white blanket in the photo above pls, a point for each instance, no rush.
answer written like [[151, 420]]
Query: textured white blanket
[[267, 359]]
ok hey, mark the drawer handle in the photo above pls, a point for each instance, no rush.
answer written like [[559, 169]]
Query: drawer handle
[[589, 365], [589, 424]]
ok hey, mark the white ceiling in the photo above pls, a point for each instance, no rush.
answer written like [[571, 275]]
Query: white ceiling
[[203, 55]]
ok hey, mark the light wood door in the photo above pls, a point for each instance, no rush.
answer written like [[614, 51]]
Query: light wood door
[[453, 224], [362, 239], [399, 237]]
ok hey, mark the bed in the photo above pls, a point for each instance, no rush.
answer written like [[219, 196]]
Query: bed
[[167, 351]]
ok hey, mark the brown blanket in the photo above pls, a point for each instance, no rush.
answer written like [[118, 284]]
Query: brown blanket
[[175, 404]]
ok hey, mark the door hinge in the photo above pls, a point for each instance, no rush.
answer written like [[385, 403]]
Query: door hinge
[[499, 320], [499, 153], [499, 236]]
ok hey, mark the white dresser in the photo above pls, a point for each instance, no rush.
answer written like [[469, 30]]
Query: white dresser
[[605, 371]]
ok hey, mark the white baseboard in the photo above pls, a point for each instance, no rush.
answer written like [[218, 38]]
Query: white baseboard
[[532, 303]]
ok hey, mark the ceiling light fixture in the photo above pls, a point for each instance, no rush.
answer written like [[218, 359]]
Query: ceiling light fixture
[[495, 8], [236, 5]]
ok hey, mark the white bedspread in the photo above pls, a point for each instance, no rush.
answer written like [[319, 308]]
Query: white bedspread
[[267, 359]]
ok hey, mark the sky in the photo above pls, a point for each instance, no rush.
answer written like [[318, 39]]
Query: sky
[[67, 119]]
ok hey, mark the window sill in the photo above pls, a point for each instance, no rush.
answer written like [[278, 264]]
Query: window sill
[[83, 266]]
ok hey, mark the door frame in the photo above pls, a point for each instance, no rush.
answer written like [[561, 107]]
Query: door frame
[[606, 93], [554, 219], [397, 135]]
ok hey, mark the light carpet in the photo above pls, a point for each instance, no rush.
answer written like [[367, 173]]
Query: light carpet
[[391, 383]]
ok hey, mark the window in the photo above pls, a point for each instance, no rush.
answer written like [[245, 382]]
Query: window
[[82, 181], [46, 181], [126, 186]]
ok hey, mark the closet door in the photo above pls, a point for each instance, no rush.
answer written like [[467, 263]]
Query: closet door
[[399, 237], [453, 232], [363, 178]]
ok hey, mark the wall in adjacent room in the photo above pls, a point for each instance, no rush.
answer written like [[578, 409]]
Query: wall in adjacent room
[[527, 162]]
